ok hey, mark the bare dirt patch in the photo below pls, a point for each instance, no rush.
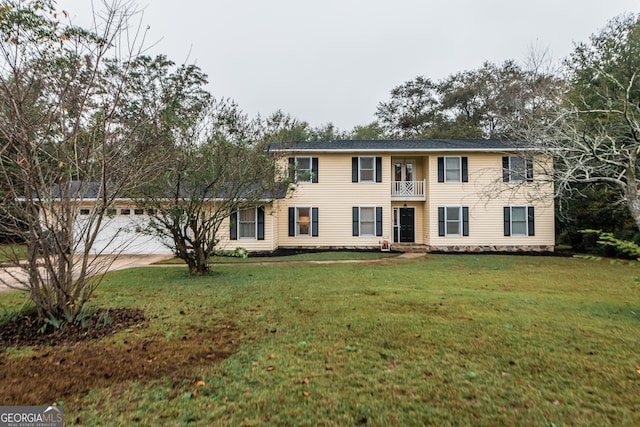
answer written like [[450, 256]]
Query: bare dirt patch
[[70, 368]]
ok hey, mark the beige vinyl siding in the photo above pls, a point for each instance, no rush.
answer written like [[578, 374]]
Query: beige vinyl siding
[[486, 195], [335, 195]]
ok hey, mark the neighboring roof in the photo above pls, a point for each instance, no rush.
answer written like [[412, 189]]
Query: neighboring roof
[[425, 145]]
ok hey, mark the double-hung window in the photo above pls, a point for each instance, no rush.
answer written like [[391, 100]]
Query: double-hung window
[[453, 169], [303, 170], [517, 169], [519, 221], [247, 224], [367, 221], [366, 169], [453, 221], [303, 222]]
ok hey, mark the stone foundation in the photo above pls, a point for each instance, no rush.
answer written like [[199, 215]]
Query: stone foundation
[[492, 248]]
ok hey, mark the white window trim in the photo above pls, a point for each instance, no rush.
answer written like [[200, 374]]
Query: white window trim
[[446, 221], [310, 170], [526, 221], [375, 221], [297, 222], [255, 223], [459, 158], [373, 176]]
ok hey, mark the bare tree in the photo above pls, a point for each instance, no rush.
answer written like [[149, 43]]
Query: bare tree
[[63, 141]]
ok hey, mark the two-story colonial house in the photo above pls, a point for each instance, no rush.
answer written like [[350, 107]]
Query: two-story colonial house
[[432, 195]]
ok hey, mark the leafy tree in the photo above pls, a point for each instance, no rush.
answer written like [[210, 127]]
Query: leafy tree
[[372, 131], [481, 103]]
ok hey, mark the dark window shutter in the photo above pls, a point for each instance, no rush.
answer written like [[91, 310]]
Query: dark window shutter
[[356, 221], [507, 221], [261, 223], [440, 169], [292, 169], [378, 169], [505, 169], [314, 222], [465, 221], [465, 169], [531, 221], [314, 169], [441, 231], [233, 226], [292, 221], [354, 169], [379, 221], [529, 169]]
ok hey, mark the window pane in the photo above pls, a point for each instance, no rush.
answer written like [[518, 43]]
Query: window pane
[[247, 215], [367, 221], [517, 169], [452, 169], [247, 230], [518, 214], [453, 228], [303, 169], [366, 214], [247, 223], [366, 162], [453, 214], [409, 172], [518, 221], [367, 168], [453, 221], [303, 163], [397, 172], [304, 221]]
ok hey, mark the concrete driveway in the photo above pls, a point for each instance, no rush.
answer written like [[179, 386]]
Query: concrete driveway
[[12, 276]]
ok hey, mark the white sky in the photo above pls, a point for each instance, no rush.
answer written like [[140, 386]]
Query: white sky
[[334, 60]]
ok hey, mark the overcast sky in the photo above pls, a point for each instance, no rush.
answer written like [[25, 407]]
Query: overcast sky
[[335, 60]]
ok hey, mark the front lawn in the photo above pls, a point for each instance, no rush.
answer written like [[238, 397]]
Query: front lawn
[[441, 339]]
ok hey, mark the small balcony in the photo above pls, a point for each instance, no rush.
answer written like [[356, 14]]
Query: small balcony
[[408, 190]]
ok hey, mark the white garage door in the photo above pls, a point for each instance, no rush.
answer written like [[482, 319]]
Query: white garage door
[[122, 234]]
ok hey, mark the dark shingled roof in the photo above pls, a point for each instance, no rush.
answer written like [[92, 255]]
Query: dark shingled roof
[[404, 145]]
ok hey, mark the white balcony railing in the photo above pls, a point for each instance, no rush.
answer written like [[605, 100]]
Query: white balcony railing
[[408, 190]]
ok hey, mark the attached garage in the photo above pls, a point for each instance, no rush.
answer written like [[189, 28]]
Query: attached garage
[[122, 232]]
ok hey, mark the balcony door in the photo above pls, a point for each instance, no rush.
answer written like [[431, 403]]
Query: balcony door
[[404, 171]]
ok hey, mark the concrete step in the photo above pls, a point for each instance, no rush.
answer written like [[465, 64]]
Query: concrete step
[[409, 247]]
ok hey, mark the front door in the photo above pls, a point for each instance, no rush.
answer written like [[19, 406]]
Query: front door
[[404, 225]]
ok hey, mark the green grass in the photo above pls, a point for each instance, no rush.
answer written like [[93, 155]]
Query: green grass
[[307, 256], [442, 340]]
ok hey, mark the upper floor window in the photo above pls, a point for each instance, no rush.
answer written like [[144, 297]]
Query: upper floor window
[[303, 169], [517, 169], [366, 169], [453, 169]]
